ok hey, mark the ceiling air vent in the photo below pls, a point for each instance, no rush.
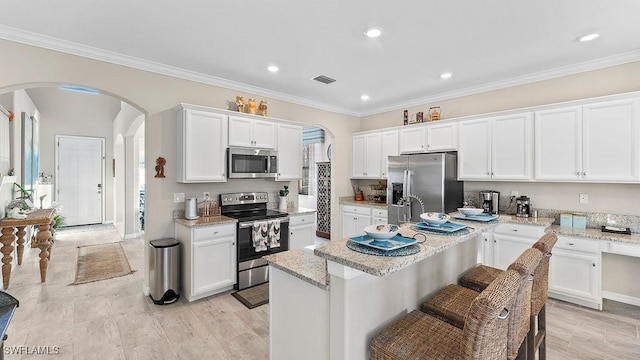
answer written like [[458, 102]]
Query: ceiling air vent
[[324, 79]]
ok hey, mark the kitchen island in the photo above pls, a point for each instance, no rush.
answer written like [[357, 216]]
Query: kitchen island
[[360, 294]]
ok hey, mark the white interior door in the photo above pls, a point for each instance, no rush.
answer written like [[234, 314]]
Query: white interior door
[[79, 180]]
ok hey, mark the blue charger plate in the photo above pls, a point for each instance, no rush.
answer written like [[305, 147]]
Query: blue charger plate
[[396, 242], [481, 217], [446, 227]]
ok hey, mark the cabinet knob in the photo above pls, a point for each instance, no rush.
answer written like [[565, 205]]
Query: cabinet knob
[[495, 241], [233, 243], [215, 233], [488, 173], [292, 233], [516, 230], [486, 239], [571, 244], [594, 264], [584, 173], [302, 220], [578, 173]]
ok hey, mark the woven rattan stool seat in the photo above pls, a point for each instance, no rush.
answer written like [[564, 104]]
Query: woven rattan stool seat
[[452, 304], [479, 277], [484, 335]]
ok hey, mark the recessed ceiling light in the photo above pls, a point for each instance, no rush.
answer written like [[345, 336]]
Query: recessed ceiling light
[[373, 32], [588, 37], [364, 97], [273, 68], [446, 75]]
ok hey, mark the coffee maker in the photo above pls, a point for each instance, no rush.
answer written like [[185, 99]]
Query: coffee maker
[[523, 206], [490, 201]]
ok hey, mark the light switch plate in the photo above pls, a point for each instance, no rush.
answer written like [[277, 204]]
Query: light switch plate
[[584, 198], [178, 197], [207, 195]]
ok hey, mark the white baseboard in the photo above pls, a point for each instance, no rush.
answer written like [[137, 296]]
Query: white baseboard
[[632, 300], [133, 236], [145, 289]]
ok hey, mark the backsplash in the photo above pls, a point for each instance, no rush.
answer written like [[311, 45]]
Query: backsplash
[[596, 220]]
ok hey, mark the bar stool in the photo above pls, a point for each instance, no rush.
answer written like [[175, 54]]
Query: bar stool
[[483, 336], [480, 277], [453, 303]]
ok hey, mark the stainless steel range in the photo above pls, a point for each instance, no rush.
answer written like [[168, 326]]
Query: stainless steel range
[[251, 211]]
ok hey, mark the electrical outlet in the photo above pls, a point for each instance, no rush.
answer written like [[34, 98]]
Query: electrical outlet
[[584, 198], [178, 197], [514, 193], [207, 195]]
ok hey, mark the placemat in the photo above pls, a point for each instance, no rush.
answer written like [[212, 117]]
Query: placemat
[[434, 232], [408, 250]]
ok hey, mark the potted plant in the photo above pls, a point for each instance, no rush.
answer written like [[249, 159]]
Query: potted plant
[[283, 198]]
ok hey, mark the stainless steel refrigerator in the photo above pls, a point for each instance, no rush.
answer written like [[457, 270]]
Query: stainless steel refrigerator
[[430, 178]]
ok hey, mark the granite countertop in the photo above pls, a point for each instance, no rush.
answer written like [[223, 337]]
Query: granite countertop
[[303, 264], [337, 251], [301, 211], [596, 234], [539, 221], [351, 201], [206, 221]]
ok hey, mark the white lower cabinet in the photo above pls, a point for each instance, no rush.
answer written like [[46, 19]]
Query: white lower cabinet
[[208, 259], [486, 247], [354, 219], [509, 241], [575, 273], [378, 216], [302, 230]]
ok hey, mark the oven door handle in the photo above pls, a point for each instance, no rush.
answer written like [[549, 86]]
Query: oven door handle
[[250, 223]]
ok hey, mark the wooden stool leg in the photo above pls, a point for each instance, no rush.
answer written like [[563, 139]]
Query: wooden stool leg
[[43, 243], [531, 337], [542, 330], [21, 233], [7, 239]]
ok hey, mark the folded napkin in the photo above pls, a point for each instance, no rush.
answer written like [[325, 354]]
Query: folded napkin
[[274, 233], [260, 235]]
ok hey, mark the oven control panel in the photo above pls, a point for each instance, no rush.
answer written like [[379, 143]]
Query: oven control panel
[[243, 198]]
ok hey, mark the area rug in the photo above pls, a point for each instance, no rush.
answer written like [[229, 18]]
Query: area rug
[[101, 262], [253, 296]]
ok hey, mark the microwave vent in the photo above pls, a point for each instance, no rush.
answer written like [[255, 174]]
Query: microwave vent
[[324, 79]]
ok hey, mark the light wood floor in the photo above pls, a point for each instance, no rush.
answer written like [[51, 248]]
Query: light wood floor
[[111, 319]]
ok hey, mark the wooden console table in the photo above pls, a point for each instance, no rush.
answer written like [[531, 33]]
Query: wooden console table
[[43, 219]]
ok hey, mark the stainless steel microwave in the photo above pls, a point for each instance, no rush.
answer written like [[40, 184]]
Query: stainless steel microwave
[[252, 163]]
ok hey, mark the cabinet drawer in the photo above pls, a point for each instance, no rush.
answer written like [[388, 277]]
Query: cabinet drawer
[[382, 213], [209, 232], [578, 244], [361, 210], [520, 230], [302, 219], [622, 249]]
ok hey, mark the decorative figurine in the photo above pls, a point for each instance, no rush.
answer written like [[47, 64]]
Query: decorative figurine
[[252, 107], [240, 103], [406, 117], [434, 113], [160, 162], [262, 108]]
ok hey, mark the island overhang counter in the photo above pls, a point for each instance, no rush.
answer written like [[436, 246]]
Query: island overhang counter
[[361, 294]]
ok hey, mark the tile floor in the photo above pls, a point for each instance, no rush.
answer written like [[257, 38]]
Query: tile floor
[[111, 319]]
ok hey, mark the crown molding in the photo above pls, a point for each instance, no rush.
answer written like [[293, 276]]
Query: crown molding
[[51, 43], [47, 42], [591, 65]]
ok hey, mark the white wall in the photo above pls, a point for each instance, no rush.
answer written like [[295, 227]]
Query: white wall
[[21, 103]]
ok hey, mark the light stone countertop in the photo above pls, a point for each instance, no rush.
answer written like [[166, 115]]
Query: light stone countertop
[[303, 264], [300, 211], [206, 221], [337, 251], [351, 201], [597, 234]]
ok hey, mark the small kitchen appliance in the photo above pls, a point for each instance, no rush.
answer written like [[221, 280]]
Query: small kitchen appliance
[[490, 200], [191, 208], [523, 206]]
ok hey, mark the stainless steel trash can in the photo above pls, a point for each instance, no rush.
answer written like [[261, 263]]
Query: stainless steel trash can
[[164, 271]]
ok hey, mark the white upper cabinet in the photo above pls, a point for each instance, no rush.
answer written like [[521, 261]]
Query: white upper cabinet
[[413, 140], [596, 142], [366, 153], [247, 132], [610, 141], [390, 147], [202, 145], [289, 152], [442, 137], [496, 148], [429, 138], [558, 144]]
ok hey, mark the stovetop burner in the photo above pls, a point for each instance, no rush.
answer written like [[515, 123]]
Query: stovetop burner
[[248, 206]]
